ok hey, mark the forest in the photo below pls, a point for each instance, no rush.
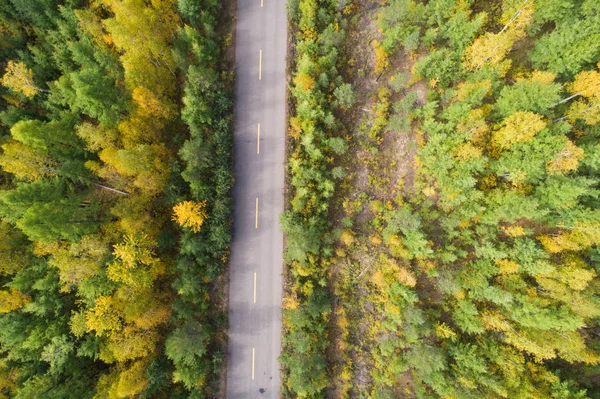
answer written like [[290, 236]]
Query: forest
[[443, 216], [115, 197], [442, 222]]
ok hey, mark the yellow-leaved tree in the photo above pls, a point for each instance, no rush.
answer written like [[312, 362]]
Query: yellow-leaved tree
[[190, 214], [142, 31], [20, 79], [103, 318], [582, 235], [587, 108], [79, 261], [133, 380], [491, 48], [135, 263], [8, 379], [26, 162], [566, 160], [304, 82], [12, 300], [12, 257], [521, 126]]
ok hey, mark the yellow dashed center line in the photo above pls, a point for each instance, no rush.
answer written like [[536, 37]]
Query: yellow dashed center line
[[260, 65], [256, 215], [258, 140]]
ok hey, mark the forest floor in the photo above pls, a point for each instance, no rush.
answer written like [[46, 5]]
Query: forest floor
[[380, 169]]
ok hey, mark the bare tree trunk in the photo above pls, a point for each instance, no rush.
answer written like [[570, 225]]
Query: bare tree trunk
[[111, 189], [510, 21], [576, 113], [564, 100], [514, 17]]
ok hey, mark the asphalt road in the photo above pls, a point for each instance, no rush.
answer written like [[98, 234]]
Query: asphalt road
[[255, 290]]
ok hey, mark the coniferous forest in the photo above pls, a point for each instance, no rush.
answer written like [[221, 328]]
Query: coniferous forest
[[116, 134]]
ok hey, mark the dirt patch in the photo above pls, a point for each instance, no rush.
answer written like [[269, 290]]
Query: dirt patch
[[380, 168]]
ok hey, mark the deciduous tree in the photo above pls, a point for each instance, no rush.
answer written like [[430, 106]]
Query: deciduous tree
[[518, 127], [190, 214], [11, 300], [20, 79]]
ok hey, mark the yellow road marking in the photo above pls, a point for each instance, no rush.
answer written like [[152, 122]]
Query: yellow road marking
[[260, 65], [261, 3], [252, 363], [258, 141], [256, 216], [254, 287]]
